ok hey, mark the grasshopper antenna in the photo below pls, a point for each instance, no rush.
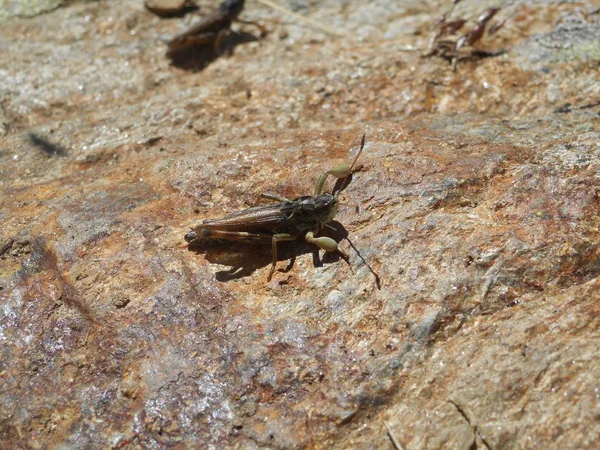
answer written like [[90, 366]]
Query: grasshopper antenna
[[347, 205], [344, 181], [375, 274], [342, 186], [362, 145]]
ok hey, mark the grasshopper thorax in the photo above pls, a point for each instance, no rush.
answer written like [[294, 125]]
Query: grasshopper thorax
[[306, 213]]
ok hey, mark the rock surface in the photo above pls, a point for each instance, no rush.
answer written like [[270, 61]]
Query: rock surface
[[479, 210]]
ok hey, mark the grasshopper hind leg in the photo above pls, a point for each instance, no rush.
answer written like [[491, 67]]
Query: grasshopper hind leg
[[278, 238]]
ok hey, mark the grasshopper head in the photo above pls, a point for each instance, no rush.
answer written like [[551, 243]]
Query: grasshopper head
[[190, 237], [233, 7], [326, 207]]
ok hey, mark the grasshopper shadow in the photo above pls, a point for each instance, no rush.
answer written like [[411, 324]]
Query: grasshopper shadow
[[245, 259], [196, 58]]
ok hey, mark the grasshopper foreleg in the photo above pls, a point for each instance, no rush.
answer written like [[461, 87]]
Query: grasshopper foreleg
[[326, 243]]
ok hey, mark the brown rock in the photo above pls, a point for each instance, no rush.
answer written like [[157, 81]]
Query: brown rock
[[166, 7], [478, 208]]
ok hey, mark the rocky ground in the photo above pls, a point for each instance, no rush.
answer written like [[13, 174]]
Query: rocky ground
[[478, 208]]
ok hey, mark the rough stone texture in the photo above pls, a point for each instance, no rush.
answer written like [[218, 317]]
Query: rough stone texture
[[479, 206]]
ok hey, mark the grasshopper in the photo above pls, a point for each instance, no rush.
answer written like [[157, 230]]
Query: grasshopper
[[211, 30], [283, 221]]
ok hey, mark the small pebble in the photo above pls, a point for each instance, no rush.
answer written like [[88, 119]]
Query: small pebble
[[165, 7]]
